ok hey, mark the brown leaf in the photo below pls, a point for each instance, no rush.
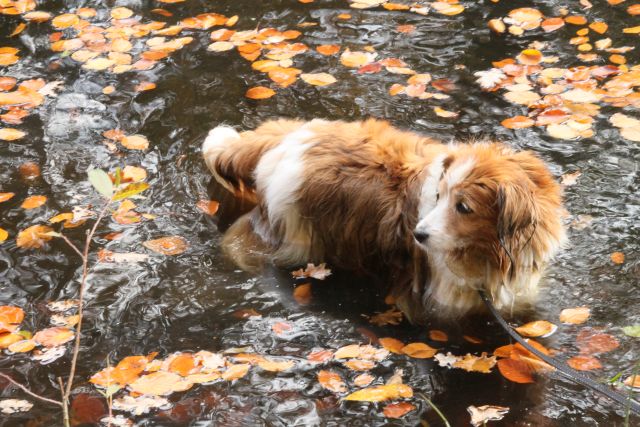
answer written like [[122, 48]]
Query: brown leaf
[[393, 316], [302, 293], [437, 335], [276, 366], [590, 341], [584, 363], [359, 364], [170, 245], [320, 356], [397, 410], [481, 414], [363, 380], [53, 337], [516, 371], [617, 257], [210, 207]]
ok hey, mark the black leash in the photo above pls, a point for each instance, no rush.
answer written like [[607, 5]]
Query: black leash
[[563, 368]]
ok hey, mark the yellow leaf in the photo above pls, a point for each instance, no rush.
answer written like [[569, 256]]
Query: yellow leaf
[[10, 134], [575, 316], [381, 393], [538, 328], [331, 381], [318, 79]]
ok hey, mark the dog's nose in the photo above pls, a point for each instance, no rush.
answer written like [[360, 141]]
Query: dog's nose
[[420, 236]]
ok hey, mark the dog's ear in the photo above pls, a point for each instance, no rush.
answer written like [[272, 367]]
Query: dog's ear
[[516, 220]]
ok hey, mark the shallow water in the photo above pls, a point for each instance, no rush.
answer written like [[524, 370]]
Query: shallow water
[[187, 302]]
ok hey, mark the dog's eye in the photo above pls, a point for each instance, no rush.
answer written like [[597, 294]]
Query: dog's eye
[[463, 208]]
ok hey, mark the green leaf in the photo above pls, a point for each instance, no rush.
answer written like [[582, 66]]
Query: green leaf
[[632, 331], [53, 234], [101, 182], [131, 190], [615, 378], [118, 177], [26, 334]]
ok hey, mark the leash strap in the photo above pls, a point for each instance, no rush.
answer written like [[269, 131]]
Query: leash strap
[[563, 368]]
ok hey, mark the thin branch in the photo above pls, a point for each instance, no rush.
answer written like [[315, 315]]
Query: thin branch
[[65, 404], [70, 243], [29, 392], [85, 268], [435, 408]]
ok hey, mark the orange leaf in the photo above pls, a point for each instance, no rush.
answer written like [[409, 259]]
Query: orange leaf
[[53, 337], [538, 328], [144, 86], [599, 27], [419, 350], [33, 237], [328, 49], [10, 318], [170, 245], [397, 410], [437, 335], [359, 365], [4, 234], [135, 142], [575, 316], [516, 371], [6, 196], [121, 13], [65, 20], [29, 170], [235, 372], [392, 344], [576, 20], [320, 356], [517, 122], [381, 393], [283, 76], [260, 92], [302, 293], [275, 366], [210, 207], [159, 383], [331, 381], [33, 202], [363, 380], [617, 257], [9, 338], [183, 364], [22, 346], [584, 363]]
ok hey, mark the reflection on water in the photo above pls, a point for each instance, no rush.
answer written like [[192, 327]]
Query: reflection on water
[[187, 302]]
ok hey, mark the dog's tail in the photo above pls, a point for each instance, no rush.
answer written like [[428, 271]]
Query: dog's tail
[[231, 160]]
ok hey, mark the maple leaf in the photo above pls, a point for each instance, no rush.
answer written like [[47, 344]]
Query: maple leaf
[[490, 78], [390, 317]]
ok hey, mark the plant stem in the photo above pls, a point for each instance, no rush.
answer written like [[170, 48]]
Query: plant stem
[[70, 243], [85, 269], [435, 408], [29, 392], [65, 404]]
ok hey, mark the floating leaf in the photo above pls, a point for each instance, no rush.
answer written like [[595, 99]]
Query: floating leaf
[[617, 257], [363, 380], [6, 196], [260, 92], [9, 134], [392, 344], [10, 318], [53, 337], [130, 190], [444, 113], [11, 406], [437, 335], [393, 316], [276, 366], [4, 234], [23, 346], [381, 393], [137, 406], [419, 350], [584, 363], [481, 414], [302, 293], [318, 79], [320, 356], [135, 142], [33, 202], [359, 365], [159, 383], [471, 363], [538, 328], [397, 410], [235, 372], [328, 49], [210, 207], [170, 245], [101, 182], [518, 122], [33, 237], [331, 381], [590, 341], [516, 370], [632, 331], [319, 272], [575, 316], [356, 59]]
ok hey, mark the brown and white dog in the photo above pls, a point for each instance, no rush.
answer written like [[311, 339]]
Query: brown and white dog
[[436, 221]]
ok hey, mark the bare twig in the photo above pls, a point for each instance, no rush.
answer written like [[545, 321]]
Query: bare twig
[[85, 269], [29, 392], [435, 408], [71, 244], [65, 404]]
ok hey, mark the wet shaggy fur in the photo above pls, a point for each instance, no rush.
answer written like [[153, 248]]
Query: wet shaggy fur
[[359, 195]]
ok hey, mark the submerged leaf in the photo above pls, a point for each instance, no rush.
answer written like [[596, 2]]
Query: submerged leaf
[[381, 393]]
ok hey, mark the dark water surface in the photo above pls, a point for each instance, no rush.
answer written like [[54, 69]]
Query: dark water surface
[[186, 302]]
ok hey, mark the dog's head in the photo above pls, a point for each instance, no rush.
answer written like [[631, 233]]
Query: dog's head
[[493, 223]]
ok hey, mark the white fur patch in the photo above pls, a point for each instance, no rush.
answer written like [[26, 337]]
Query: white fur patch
[[430, 186], [279, 175], [218, 137], [215, 142], [458, 173]]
